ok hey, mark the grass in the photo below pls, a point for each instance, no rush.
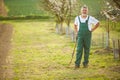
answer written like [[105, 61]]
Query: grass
[[32, 8], [25, 8], [39, 53]]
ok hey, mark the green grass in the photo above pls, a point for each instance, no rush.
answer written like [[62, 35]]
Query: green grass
[[113, 29], [24, 8], [38, 53], [31, 7]]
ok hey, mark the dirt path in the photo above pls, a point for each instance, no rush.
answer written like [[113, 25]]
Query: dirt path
[[5, 40], [3, 11]]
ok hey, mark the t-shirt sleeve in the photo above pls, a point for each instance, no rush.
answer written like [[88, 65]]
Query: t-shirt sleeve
[[94, 20], [76, 21]]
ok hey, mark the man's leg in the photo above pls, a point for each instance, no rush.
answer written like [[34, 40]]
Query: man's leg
[[87, 43], [79, 51]]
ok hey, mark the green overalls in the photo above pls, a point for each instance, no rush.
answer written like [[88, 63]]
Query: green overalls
[[84, 41]]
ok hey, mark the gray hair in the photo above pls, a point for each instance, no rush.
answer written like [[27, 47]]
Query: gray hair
[[84, 6]]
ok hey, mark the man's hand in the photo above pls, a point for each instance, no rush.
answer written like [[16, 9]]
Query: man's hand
[[76, 32], [95, 27], [76, 36]]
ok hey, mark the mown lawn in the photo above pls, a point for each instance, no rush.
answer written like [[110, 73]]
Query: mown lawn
[[38, 53], [24, 8]]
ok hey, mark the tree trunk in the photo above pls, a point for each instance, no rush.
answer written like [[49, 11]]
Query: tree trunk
[[67, 31], [107, 35], [107, 41], [59, 28]]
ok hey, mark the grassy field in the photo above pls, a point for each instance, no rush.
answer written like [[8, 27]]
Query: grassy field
[[33, 7], [38, 53], [24, 8]]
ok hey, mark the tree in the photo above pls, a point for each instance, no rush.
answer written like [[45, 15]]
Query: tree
[[115, 3], [112, 10], [61, 9], [72, 5], [112, 13]]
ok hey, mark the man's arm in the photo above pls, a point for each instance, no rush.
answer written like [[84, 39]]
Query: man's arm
[[76, 29], [94, 28]]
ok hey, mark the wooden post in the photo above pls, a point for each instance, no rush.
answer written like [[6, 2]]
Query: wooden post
[[108, 34], [114, 48], [103, 39], [119, 48]]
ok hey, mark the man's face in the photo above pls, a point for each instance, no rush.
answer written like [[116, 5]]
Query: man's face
[[84, 11]]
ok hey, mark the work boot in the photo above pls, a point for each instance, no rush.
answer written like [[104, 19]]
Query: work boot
[[85, 66], [76, 67]]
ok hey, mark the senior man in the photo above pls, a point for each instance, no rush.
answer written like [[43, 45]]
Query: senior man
[[84, 25]]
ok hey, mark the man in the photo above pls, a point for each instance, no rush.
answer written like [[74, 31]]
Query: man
[[83, 26]]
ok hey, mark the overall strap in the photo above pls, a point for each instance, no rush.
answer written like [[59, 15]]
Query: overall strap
[[87, 19], [79, 19]]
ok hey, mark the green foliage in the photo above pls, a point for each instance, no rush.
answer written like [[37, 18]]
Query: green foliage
[[113, 27], [24, 7], [25, 18], [34, 7]]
